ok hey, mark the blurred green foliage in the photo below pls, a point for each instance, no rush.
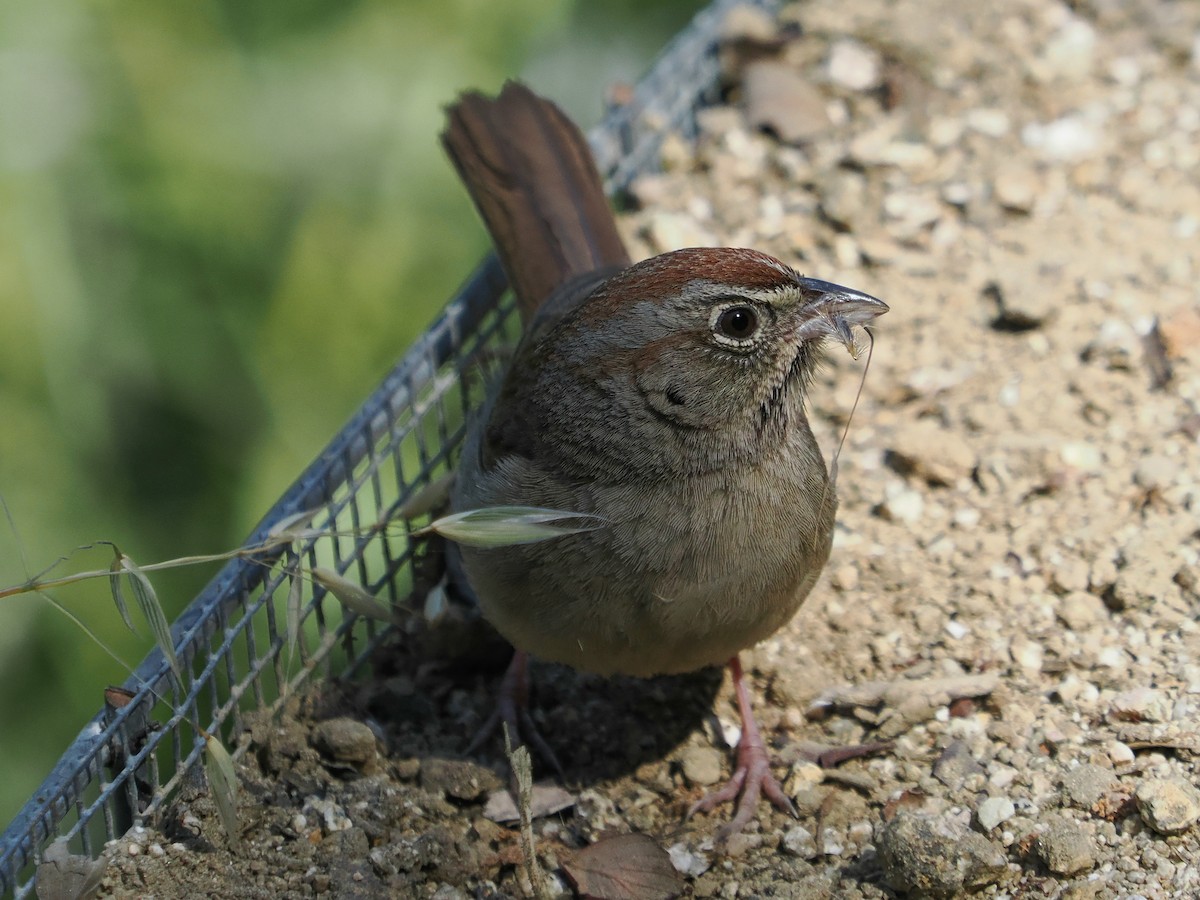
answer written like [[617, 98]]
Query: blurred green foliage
[[220, 222]]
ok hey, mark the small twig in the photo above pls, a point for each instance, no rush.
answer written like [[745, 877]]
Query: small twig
[[522, 769]]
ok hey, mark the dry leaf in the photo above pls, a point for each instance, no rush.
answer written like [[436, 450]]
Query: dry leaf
[[284, 528], [147, 600], [223, 782], [429, 497], [437, 604], [351, 595], [293, 611], [624, 867], [118, 595], [546, 799]]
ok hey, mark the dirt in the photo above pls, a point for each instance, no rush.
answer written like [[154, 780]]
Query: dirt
[[1014, 588]]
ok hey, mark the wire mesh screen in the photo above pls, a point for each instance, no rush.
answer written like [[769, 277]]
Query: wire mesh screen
[[233, 641]]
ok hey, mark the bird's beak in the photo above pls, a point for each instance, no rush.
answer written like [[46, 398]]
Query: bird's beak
[[832, 310]]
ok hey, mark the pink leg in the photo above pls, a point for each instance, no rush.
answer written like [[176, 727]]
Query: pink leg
[[512, 709], [753, 775]]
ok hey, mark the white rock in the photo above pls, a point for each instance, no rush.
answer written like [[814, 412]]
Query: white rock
[[1082, 456], [989, 122], [957, 193], [853, 65], [1119, 753], [903, 504], [967, 517], [1125, 71], [830, 846], [944, 131], [1110, 657], [688, 861], [1068, 139], [1141, 704], [805, 775], [993, 811], [1002, 777], [1069, 54], [799, 841], [1027, 654]]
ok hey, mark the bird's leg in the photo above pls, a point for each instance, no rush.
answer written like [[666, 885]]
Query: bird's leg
[[512, 709], [753, 774]]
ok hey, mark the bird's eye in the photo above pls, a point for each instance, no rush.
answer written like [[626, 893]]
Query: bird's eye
[[738, 322]]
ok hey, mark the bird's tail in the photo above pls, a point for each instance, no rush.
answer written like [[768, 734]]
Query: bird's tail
[[533, 179]]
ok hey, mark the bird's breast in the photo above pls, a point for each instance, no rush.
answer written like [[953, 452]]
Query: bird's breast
[[684, 574]]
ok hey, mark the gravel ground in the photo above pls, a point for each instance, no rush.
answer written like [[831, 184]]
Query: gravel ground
[[1012, 597]]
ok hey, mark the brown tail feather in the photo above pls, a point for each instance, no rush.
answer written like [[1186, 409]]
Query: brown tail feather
[[532, 177]]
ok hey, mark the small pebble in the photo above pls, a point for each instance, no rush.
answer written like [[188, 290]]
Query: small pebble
[[1070, 53], [702, 766], [1065, 848], [955, 764], [804, 776], [957, 630], [845, 578], [784, 101], [1168, 805], [993, 811], [853, 65], [903, 504], [742, 843], [1082, 456], [346, 740], [937, 855], [1080, 610], [1084, 786], [1069, 139], [991, 122], [1017, 187], [1119, 753], [799, 841], [687, 861], [1027, 654], [1141, 704]]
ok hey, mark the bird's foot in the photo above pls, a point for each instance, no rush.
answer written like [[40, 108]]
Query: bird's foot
[[752, 778], [512, 715]]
